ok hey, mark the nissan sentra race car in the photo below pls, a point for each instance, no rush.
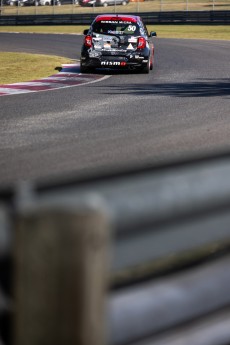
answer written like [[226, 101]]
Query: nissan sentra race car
[[117, 41]]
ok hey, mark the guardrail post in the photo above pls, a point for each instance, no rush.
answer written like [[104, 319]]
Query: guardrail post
[[61, 273]]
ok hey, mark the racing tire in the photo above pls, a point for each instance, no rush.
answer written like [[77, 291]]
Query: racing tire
[[84, 69], [147, 67], [151, 64]]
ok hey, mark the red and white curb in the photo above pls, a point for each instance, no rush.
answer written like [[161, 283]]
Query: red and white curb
[[69, 76]]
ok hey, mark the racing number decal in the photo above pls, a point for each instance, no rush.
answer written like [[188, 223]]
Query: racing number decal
[[131, 28]]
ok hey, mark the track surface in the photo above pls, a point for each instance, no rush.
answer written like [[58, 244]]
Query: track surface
[[180, 110], [70, 75]]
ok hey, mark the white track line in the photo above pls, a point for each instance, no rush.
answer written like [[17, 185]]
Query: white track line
[[68, 77]]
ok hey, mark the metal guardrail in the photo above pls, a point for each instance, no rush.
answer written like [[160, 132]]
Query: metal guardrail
[[138, 258], [180, 17]]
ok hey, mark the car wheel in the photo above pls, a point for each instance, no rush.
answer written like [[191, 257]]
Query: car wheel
[[11, 3], [47, 3], [105, 4], [147, 67], [151, 63], [124, 3], [85, 69]]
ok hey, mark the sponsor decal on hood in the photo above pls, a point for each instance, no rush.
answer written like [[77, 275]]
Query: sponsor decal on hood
[[116, 22], [132, 40], [113, 63], [107, 45], [130, 47]]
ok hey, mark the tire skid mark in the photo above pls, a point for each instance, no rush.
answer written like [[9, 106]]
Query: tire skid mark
[[69, 76]]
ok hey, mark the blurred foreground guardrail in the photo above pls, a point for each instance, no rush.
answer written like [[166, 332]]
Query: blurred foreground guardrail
[[179, 17], [139, 258]]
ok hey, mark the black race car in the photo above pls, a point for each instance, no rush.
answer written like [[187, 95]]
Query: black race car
[[117, 41]]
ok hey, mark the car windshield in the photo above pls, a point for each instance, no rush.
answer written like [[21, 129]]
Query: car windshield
[[116, 28]]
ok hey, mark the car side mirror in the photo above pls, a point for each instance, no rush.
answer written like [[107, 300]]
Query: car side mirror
[[85, 32], [152, 34]]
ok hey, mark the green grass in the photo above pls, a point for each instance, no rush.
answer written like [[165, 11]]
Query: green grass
[[213, 32], [18, 67], [54, 29], [210, 32]]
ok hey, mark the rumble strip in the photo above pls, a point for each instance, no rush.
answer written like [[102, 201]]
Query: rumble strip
[[69, 76]]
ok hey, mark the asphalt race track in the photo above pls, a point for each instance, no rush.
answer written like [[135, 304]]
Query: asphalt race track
[[180, 110]]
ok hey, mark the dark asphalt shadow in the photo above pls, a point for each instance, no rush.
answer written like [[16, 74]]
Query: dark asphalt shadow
[[198, 88], [98, 71]]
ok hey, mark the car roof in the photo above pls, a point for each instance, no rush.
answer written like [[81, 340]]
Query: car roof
[[122, 17]]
